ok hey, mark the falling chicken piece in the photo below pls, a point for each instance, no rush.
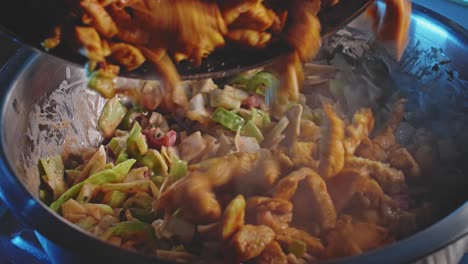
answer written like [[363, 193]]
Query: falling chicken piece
[[332, 153], [360, 128], [258, 18], [392, 26]]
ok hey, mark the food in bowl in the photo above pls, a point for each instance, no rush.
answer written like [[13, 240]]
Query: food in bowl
[[231, 177]]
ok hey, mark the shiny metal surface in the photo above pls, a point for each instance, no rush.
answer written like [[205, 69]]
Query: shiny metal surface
[[34, 81], [17, 18]]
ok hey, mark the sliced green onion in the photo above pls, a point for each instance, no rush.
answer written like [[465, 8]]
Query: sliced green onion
[[228, 119], [262, 81]]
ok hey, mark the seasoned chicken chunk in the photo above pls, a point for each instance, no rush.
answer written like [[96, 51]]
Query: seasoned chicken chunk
[[250, 241], [271, 212], [305, 188], [272, 254]]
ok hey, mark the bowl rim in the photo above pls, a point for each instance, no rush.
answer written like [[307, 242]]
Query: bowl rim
[[38, 216]]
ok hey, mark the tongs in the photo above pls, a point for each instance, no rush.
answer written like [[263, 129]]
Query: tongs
[[26, 21]]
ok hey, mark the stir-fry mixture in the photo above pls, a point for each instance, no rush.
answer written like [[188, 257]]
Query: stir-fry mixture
[[125, 33], [230, 179]]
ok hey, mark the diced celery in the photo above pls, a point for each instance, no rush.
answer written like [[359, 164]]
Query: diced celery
[[112, 114], [155, 162], [117, 145], [129, 119], [178, 169], [228, 119], [136, 141], [297, 247], [114, 198], [251, 130], [260, 118], [54, 174]]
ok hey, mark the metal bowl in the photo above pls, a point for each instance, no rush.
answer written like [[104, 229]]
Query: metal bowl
[[46, 108]]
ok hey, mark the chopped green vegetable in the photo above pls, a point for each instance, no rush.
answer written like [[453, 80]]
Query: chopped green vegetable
[[262, 81], [136, 141], [112, 114], [178, 168], [158, 180], [144, 215], [131, 229], [155, 162], [228, 119], [251, 130], [139, 200], [117, 145], [297, 247], [123, 156], [95, 164], [115, 174], [103, 83], [54, 174], [130, 118], [260, 118], [114, 198], [132, 187], [241, 81]]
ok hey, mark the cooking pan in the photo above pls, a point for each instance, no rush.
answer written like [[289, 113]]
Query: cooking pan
[[46, 109]]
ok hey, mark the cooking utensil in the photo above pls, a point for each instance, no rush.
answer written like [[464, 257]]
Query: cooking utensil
[[29, 21], [432, 75]]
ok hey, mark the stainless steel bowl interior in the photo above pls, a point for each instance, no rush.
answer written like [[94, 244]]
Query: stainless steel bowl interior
[[47, 108]]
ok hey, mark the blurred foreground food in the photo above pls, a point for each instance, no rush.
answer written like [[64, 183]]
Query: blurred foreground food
[[126, 33]]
